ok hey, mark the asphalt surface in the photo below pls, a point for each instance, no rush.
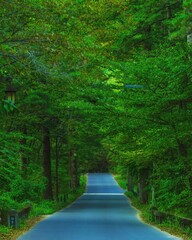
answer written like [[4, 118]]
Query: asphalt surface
[[102, 213]]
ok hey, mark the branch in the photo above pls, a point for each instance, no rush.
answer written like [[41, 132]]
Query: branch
[[16, 30]]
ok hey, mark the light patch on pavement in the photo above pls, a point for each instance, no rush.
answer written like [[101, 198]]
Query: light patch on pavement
[[104, 194], [173, 237]]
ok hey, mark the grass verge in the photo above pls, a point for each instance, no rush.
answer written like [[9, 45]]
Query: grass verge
[[145, 215], [40, 211]]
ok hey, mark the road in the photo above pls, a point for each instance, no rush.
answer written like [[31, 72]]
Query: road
[[102, 213]]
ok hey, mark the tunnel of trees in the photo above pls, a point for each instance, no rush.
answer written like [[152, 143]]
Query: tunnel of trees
[[102, 86]]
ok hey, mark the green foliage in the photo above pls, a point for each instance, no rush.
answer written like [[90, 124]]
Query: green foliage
[[26, 189], [152, 125], [77, 67], [4, 229], [9, 106], [9, 158], [121, 181], [43, 208], [49, 207], [6, 202]]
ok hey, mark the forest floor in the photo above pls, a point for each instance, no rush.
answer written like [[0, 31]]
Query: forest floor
[[13, 234]]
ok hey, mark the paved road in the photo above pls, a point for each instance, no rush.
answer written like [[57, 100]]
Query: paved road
[[102, 213]]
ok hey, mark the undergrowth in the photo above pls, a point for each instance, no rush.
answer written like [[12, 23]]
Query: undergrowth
[[172, 227], [40, 210]]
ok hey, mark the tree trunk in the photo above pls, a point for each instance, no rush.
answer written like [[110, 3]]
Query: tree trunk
[[130, 183], [188, 11], [153, 196], [143, 193], [47, 163], [169, 16], [148, 41], [183, 150], [24, 160], [56, 170], [74, 182]]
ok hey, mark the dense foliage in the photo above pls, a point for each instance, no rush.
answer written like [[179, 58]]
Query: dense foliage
[[101, 86]]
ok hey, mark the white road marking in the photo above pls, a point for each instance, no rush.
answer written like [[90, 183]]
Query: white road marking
[[104, 194]]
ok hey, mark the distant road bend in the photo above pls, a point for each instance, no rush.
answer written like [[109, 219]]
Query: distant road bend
[[102, 213]]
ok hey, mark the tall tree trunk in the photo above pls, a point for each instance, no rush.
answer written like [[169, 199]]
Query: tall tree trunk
[[74, 182], [169, 16], [188, 12], [183, 150], [130, 183], [70, 156], [77, 178], [143, 193], [148, 41], [56, 169], [47, 163], [24, 159]]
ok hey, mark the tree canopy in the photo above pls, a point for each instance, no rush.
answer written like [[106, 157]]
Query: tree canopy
[[101, 86]]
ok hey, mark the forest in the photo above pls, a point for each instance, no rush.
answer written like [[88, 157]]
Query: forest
[[96, 86]]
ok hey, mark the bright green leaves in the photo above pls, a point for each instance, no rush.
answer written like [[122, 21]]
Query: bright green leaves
[[9, 158], [8, 106], [150, 126], [71, 61]]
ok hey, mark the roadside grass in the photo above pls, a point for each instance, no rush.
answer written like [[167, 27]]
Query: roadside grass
[[40, 211], [122, 183], [146, 216]]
